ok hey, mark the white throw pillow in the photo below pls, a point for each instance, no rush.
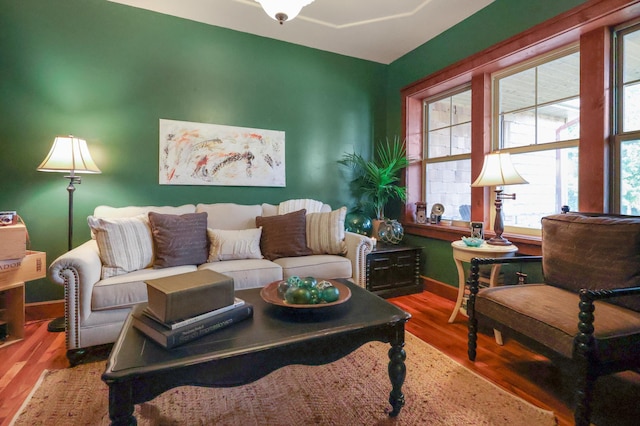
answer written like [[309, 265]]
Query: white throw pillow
[[125, 244], [233, 244], [325, 232]]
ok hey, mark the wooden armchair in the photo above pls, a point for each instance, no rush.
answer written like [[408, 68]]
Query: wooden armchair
[[586, 311]]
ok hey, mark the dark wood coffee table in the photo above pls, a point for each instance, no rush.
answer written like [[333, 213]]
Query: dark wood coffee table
[[138, 369]]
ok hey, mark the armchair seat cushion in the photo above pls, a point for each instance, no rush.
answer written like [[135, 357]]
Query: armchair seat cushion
[[549, 315]]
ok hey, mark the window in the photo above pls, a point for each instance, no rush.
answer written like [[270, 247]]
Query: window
[[447, 164], [627, 120], [536, 116]]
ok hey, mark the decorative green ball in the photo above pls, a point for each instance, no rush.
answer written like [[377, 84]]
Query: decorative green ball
[[298, 295], [358, 223], [330, 294], [283, 286]]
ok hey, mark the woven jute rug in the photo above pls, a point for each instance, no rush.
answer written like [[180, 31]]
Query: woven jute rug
[[351, 391]]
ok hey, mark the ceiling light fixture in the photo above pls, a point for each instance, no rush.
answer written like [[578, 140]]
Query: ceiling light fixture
[[283, 10]]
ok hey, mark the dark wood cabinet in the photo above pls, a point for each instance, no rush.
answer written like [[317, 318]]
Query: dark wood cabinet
[[394, 270]]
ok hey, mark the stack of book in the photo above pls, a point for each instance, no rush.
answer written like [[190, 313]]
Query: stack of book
[[176, 333], [185, 307]]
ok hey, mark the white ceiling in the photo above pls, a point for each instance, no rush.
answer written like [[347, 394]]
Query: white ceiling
[[376, 30]]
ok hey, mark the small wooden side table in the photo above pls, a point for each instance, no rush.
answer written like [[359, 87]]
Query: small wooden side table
[[463, 253], [394, 270]]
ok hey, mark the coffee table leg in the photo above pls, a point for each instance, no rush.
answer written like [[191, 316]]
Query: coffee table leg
[[397, 373], [120, 405]]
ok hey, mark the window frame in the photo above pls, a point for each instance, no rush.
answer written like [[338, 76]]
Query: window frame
[[425, 159], [497, 130], [617, 118]]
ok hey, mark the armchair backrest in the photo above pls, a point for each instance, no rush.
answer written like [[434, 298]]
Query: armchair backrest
[[592, 251]]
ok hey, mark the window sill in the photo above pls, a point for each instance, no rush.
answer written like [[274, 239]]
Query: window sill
[[527, 245]]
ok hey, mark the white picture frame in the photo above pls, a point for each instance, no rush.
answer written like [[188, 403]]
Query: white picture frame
[[213, 154]]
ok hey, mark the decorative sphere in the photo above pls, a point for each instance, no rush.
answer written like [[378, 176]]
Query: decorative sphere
[[283, 286], [298, 295], [358, 223], [391, 232], [330, 294]]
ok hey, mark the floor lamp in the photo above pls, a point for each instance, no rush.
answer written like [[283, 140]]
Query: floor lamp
[[497, 171], [68, 155]]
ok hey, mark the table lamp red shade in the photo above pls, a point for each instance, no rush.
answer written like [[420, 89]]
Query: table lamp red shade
[[497, 171]]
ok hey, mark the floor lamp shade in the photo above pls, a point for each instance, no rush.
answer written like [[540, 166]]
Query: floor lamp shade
[[69, 155], [498, 170]]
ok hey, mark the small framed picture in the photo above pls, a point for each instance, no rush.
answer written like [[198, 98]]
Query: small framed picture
[[477, 230]]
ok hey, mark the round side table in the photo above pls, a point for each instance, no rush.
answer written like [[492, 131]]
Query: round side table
[[463, 253]]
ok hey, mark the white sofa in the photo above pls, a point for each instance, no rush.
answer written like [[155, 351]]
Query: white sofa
[[95, 308]]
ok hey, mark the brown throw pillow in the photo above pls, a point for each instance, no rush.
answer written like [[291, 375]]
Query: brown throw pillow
[[179, 239], [284, 235]]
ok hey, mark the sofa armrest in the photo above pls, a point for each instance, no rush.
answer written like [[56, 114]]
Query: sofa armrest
[[358, 246], [78, 271]]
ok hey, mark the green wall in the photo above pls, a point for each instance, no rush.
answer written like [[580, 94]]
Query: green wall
[[107, 73]]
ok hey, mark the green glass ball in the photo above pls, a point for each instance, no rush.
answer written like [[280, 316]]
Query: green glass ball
[[391, 232], [358, 223]]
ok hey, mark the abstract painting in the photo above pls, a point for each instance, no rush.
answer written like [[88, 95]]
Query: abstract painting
[[213, 154]]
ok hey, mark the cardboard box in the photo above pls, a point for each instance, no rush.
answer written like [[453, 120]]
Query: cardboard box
[[13, 241], [186, 295], [30, 267]]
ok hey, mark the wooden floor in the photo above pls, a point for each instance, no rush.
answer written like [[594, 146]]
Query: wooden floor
[[512, 367]]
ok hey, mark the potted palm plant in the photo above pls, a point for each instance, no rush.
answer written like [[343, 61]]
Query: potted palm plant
[[377, 181]]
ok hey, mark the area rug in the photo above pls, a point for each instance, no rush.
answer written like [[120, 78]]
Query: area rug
[[351, 391]]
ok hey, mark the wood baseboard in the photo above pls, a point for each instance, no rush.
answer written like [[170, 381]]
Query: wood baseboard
[[439, 288], [44, 310]]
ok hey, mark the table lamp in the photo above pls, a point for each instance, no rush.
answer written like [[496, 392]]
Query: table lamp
[[497, 171], [68, 155]]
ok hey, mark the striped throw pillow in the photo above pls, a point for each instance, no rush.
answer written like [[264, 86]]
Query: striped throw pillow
[[325, 232], [125, 244], [234, 244]]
